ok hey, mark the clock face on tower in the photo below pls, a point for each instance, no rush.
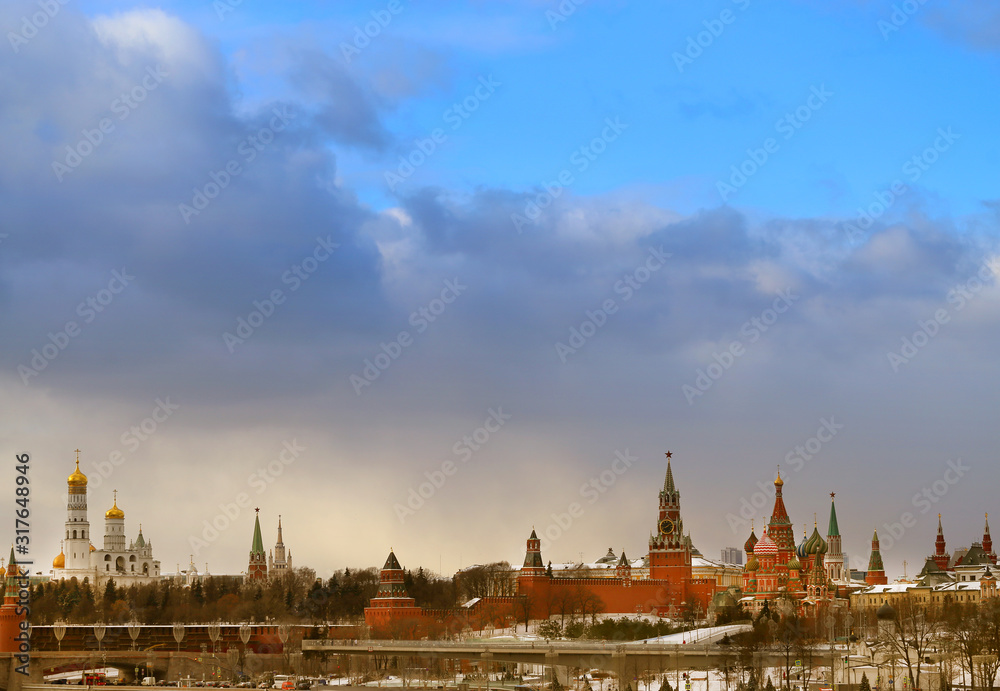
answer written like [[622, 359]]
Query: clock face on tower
[[666, 526]]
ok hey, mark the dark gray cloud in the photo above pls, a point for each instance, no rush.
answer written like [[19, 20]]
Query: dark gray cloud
[[494, 346]]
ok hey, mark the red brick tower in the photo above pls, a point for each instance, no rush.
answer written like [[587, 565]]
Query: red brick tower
[[391, 602], [533, 565], [940, 551], [257, 570], [876, 570], [988, 542], [669, 551], [10, 617], [624, 570]]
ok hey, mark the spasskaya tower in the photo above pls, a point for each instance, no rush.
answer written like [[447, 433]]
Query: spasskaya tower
[[669, 547]]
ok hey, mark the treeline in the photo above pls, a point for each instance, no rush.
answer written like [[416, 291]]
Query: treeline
[[296, 597], [621, 629]]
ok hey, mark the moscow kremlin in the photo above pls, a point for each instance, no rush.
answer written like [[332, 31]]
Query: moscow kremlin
[[673, 577]]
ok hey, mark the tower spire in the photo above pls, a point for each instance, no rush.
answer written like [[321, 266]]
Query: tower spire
[[940, 548], [988, 542], [876, 570], [668, 482], [257, 569], [834, 528]]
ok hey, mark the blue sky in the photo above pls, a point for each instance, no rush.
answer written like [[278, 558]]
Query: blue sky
[[688, 121], [637, 146]]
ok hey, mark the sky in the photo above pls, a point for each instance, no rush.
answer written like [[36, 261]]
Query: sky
[[426, 276]]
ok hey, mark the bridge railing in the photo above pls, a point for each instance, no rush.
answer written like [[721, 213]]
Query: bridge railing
[[493, 646]]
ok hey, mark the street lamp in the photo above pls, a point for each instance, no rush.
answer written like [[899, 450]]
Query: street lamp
[[133, 631], [178, 634], [59, 629]]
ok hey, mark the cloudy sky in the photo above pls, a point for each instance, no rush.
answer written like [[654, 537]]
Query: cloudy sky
[[428, 275]]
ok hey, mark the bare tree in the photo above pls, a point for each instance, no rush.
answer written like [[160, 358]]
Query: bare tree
[[910, 634]]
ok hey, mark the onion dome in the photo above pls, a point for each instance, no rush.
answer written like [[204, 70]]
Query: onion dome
[[816, 544], [60, 561], [77, 479], [800, 551], [765, 546], [779, 482], [886, 612], [114, 511], [794, 564], [751, 541], [752, 565]]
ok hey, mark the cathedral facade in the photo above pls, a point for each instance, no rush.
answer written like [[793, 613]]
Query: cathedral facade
[[809, 574], [126, 561]]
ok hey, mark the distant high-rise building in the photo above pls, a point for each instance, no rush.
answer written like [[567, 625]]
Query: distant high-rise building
[[732, 555], [277, 563]]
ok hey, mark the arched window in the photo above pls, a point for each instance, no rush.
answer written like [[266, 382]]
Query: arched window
[[107, 557], [145, 569], [74, 534], [132, 558]]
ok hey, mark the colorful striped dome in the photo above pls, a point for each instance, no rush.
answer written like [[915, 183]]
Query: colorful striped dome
[[765, 546]]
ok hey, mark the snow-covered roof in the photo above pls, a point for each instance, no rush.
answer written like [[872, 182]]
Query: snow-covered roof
[[710, 563]]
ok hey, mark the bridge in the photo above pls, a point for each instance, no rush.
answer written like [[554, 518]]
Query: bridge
[[694, 650], [163, 664]]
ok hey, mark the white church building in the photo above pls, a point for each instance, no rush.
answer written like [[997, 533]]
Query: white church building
[[79, 558]]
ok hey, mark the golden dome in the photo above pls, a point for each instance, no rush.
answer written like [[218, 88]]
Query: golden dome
[[114, 511], [92, 548], [59, 562], [779, 482], [77, 479]]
